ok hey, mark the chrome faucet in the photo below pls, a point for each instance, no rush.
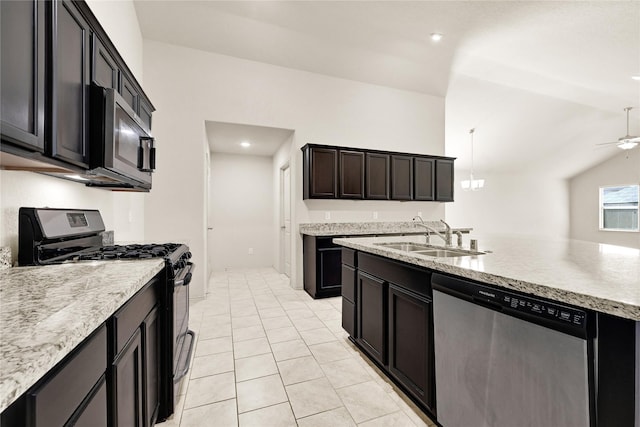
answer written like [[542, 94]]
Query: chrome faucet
[[446, 236]]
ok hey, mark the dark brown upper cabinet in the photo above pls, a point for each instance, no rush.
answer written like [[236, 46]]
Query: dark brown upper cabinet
[[331, 172], [22, 74], [320, 172], [129, 93], [351, 174], [51, 51], [377, 176], [444, 180], [104, 70], [401, 177], [70, 77], [424, 178], [145, 112]]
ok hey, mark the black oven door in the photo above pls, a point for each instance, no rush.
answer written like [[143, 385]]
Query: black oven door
[[183, 338]]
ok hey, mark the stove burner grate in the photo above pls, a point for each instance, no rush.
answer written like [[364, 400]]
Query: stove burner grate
[[129, 252]]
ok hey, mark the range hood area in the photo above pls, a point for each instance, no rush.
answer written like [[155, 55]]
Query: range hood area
[[97, 178]]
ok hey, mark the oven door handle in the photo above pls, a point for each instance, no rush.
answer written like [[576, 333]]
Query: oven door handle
[[179, 375], [185, 276]]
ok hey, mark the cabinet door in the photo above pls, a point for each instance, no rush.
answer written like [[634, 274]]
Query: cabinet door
[[322, 173], [377, 176], [401, 177], [129, 93], [410, 343], [424, 174], [371, 318], [70, 84], [145, 112], [330, 262], [150, 329], [128, 380], [22, 73], [351, 175], [444, 180], [104, 71]]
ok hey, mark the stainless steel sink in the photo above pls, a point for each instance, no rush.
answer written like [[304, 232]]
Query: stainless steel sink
[[407, 247], [428, 250]]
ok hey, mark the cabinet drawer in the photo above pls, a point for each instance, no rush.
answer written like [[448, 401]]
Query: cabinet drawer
[[414, 279], [63, 392], [130, 316], [349, 257]]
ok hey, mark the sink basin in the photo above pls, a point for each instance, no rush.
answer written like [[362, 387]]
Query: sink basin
[[445, 253], [407, 247], [428, 250]]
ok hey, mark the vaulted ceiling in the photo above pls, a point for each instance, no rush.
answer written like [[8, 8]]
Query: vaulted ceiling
[[542, 82]]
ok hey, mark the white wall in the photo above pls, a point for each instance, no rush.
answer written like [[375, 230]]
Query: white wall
[[189, 86], [623, 168], [242, 206], [120, 21], [525, 203], [122, 212]]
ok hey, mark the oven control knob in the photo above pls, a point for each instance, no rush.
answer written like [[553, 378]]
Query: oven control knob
[[187, 255]]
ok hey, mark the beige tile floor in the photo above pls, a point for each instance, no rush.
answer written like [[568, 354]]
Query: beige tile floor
[[268, 355]]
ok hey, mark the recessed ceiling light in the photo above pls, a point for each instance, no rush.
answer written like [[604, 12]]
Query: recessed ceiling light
[[436, 37], [636, 77], [245, 144]]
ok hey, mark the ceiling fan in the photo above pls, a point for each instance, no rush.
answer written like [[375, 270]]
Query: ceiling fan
[[626, 142]]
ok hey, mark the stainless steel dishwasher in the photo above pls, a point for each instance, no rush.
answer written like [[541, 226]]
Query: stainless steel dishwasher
[[505, 359]]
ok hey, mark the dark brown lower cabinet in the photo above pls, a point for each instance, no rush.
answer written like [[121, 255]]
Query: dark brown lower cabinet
[[322, 266], [94, 414], [151, 336], [112, 378], [128, 377], [393, 322], [66, 391], [371, 319], [411, 343]]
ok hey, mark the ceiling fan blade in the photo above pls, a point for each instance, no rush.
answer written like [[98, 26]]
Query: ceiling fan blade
[[630, 138], [609, 143]]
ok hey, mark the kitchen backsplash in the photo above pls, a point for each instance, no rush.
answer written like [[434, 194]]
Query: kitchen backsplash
[[5, 257]]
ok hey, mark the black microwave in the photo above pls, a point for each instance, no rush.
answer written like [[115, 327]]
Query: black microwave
[[122, 151]]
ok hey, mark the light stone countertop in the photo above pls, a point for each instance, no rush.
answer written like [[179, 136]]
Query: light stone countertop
[[360, 228], [46, 311], [600, 277]]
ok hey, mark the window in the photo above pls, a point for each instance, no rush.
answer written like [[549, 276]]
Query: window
[[619, 208]]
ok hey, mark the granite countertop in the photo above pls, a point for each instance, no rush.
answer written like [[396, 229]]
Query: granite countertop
[[377, 228], [600, 277], [46, 311]]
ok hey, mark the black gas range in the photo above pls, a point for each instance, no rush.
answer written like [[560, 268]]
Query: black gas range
[[54, 236]]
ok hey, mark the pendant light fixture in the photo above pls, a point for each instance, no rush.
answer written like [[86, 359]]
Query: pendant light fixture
[[472, 183]]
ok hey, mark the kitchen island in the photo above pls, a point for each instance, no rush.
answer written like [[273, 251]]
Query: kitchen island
[[47, 311], [395, 311], [600, 277]]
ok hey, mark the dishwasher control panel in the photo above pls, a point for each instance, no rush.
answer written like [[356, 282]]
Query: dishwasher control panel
[[544, 311]]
